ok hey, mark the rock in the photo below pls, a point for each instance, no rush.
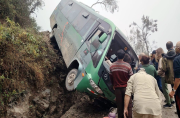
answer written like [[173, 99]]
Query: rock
[[43, 105], [85, 98], [36, 99], [52, 109], [46, 94]]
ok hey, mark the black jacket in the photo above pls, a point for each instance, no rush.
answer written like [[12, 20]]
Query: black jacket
[[176, 66], [171, 54]]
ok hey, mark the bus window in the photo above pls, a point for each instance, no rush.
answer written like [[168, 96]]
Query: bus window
[[96, 48]]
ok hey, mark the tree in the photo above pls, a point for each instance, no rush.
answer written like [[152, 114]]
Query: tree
[[110, 5], [34, 5], [20, 11], [139, 34]]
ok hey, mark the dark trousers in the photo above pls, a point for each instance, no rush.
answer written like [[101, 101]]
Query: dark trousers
[[177, 99], [158, 78], [120, 93]]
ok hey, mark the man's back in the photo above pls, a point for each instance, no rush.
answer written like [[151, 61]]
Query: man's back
[[167, 66], [120, 73], [146, 93], [144, 86]]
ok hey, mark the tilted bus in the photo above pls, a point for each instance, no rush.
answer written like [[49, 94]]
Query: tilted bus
[[86, 39]]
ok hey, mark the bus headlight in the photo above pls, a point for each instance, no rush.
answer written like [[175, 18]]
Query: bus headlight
[[97, 89]]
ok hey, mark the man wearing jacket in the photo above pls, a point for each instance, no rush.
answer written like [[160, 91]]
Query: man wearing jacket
[[153, 61], [167, 66], [155, 64], [120, 74], [176, 89]]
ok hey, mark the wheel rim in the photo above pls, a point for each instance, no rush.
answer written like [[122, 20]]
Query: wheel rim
[[71, 78]]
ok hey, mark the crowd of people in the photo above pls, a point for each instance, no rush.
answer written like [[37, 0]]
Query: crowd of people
[[143, 86]]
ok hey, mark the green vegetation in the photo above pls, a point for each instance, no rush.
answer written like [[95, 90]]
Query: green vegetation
[[20, 11], [26, 61]]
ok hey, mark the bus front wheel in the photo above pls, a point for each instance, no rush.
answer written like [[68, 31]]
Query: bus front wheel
[[70, 79]]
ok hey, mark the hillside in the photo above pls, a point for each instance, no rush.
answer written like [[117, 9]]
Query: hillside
[[32, 77]]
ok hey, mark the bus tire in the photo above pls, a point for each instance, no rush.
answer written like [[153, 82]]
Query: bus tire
[[69, 83]]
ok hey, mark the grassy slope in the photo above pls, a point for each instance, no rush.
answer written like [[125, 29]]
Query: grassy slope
[[26, 61]]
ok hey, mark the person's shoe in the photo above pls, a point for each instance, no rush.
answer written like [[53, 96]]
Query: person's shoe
[[167, 106], [173, 102]]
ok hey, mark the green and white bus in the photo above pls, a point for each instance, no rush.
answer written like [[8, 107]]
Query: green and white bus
[[86, 39]]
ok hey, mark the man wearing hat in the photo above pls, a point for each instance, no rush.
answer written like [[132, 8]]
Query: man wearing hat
[[153, 61]]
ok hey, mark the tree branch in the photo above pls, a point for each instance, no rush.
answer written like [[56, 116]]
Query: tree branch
[[98, 3], [139, 27]]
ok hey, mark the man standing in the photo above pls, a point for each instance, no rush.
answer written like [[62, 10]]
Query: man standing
[[176, 88], [120, 74], [167, 67], [153, 61], [167, 63], [146, 93], [155, 64]]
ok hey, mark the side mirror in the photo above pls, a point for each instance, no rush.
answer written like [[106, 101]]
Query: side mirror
[[103, 38]]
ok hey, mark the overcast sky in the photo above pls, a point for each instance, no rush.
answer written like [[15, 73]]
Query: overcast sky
[[167, 12]]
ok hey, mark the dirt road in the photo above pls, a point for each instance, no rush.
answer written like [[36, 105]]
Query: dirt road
[[168, 113], [87, 110]]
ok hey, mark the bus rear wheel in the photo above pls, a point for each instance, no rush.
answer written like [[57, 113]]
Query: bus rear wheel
[[70, 79]]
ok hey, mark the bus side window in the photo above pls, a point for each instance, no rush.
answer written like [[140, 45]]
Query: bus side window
[[97, 50], [97, 33], [88, 28]]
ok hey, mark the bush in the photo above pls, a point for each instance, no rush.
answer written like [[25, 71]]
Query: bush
[[26, 61]]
